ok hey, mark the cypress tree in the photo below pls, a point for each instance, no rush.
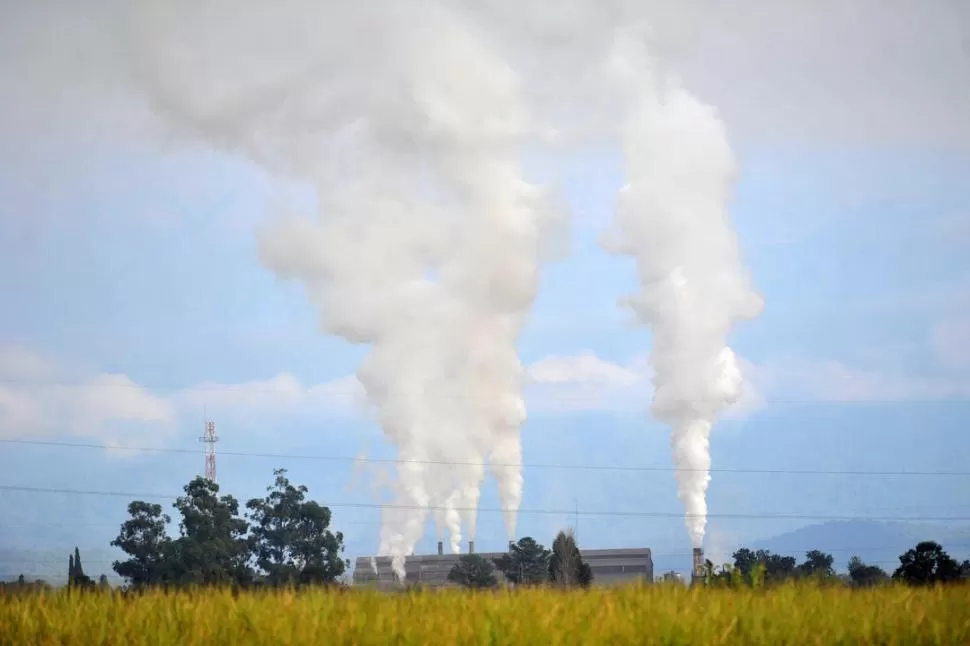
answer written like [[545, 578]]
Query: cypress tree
[[78, 570], [75, 571]]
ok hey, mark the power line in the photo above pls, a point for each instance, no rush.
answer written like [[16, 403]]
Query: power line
[[568, 467], [369, 523], [355, 393], [558, 512], [377, 523]]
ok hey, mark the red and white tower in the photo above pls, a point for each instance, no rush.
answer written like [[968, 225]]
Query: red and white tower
[[209, 439]]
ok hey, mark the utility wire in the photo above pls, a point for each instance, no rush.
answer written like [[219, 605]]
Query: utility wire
[[567, 467], [356, 392], [559, 512], [371, 523]]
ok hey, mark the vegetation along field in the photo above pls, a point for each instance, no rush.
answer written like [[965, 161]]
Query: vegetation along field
[[661, 614]]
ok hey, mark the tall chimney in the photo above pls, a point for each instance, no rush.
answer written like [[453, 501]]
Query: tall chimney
[[441, 548], [697, 572], [471, 547]]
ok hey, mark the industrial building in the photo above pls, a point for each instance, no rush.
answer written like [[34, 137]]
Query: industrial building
[[609, 567]]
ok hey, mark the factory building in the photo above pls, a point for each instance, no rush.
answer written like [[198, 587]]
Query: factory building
[[609, 567]]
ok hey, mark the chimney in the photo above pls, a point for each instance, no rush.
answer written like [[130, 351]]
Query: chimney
[[697, 571], [441, 548], [471, 547]]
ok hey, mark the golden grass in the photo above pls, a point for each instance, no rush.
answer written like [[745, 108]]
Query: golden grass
[[632, 615]]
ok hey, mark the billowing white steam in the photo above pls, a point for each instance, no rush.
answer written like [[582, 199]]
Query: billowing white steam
[[426, 238], [426, 241], [672, 218]]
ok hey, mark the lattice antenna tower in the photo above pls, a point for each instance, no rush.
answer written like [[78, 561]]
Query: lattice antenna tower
[[209, 439]]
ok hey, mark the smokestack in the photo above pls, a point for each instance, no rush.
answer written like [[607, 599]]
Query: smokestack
[[441, 548], [680, 171], [697, 571], [471, 547]]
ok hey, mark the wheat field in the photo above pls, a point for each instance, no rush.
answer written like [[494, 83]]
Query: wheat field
[[656, 614]]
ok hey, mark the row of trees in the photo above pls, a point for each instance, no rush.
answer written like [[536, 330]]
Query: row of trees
[[527, 563], [925, 564], [283, 539]]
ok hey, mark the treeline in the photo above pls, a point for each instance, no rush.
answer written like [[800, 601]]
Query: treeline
[[925, 564], [527, 563], [282, 539]]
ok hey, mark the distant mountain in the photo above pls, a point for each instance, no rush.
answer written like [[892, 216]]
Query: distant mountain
[[874, 542]]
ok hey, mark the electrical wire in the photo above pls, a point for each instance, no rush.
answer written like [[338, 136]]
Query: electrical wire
[[524, 465]]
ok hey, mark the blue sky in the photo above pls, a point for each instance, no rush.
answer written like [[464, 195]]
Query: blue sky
[[859, 256], [132, 299]]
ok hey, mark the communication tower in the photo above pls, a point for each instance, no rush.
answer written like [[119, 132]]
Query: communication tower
[[209, 439]]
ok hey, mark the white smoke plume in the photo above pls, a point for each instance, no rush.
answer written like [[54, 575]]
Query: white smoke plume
[[409, 121], [426, 240], [672, 217]]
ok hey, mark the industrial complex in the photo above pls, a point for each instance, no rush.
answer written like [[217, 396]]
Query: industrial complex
[[609, 567]]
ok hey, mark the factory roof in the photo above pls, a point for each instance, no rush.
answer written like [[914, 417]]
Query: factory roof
[[608, 566]]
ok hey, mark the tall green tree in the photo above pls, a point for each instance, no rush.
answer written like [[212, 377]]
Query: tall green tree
[[566, 565], [526, 562], [865, 576], [290, 536], [213, 548], [774, 567], [927, 564], [75, 571], [144, 540], [473, 571], [817, 565]]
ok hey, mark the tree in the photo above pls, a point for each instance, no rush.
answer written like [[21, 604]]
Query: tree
[[725, 576], [213, 548], [566, 566], [863, 575], [143, 539], [103, 582], [927, 564], [290, 536], [75, 571], [817, 565], [473, 571], [744, 561], [774, 567], [526, 563]]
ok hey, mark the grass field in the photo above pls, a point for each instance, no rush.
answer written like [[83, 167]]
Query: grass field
[[635, 615]]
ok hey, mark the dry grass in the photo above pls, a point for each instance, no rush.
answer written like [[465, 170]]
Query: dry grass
[[633, 615]]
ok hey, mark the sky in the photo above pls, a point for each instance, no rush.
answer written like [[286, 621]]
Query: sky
[[134, 303]]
